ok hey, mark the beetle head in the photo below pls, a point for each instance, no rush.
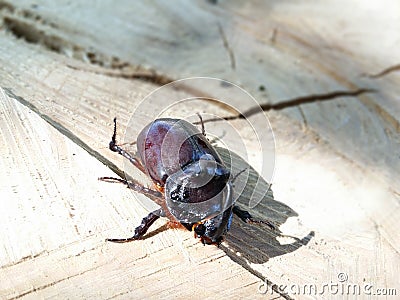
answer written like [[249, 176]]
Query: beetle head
[[200, 191]]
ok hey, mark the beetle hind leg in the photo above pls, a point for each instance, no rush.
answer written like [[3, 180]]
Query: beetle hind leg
[[140, 230], [246, 217]]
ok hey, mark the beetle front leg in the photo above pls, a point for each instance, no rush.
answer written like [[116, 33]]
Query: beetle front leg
[[141, 230], [115, 148], [246, 217]]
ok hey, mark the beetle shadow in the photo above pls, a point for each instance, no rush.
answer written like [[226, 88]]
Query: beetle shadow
[[257, 243]]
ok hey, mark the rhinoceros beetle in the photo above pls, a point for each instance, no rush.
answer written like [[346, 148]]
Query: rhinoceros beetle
[[191, 182]]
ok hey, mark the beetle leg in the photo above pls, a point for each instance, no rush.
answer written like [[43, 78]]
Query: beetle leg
[[154, 195], [116, 148], [203, 131], [247, 218], [135, 186], [141, 229]]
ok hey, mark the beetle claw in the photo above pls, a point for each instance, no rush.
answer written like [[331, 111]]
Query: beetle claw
[[141, 230]]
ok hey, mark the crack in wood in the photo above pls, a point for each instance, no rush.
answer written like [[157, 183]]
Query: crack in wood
[[295, 102], [24, 259], [32, 28], [274, 36], [148, 75], [34, 35], [384, 72], [315, 98], [227, 46], [66, 132], [303, 116]]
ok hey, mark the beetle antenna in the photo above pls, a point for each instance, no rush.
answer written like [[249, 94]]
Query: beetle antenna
[[237, 175], [202, 124]]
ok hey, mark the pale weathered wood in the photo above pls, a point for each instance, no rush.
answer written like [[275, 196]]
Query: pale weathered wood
[[56, 215], [336, 182]]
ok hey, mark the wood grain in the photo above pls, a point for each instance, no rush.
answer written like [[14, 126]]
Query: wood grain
[[56, 216], [335, 191]]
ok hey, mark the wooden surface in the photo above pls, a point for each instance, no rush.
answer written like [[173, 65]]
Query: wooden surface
[[66, 71]]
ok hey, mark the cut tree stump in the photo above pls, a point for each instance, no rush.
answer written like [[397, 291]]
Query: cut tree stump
[[325, 74]]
